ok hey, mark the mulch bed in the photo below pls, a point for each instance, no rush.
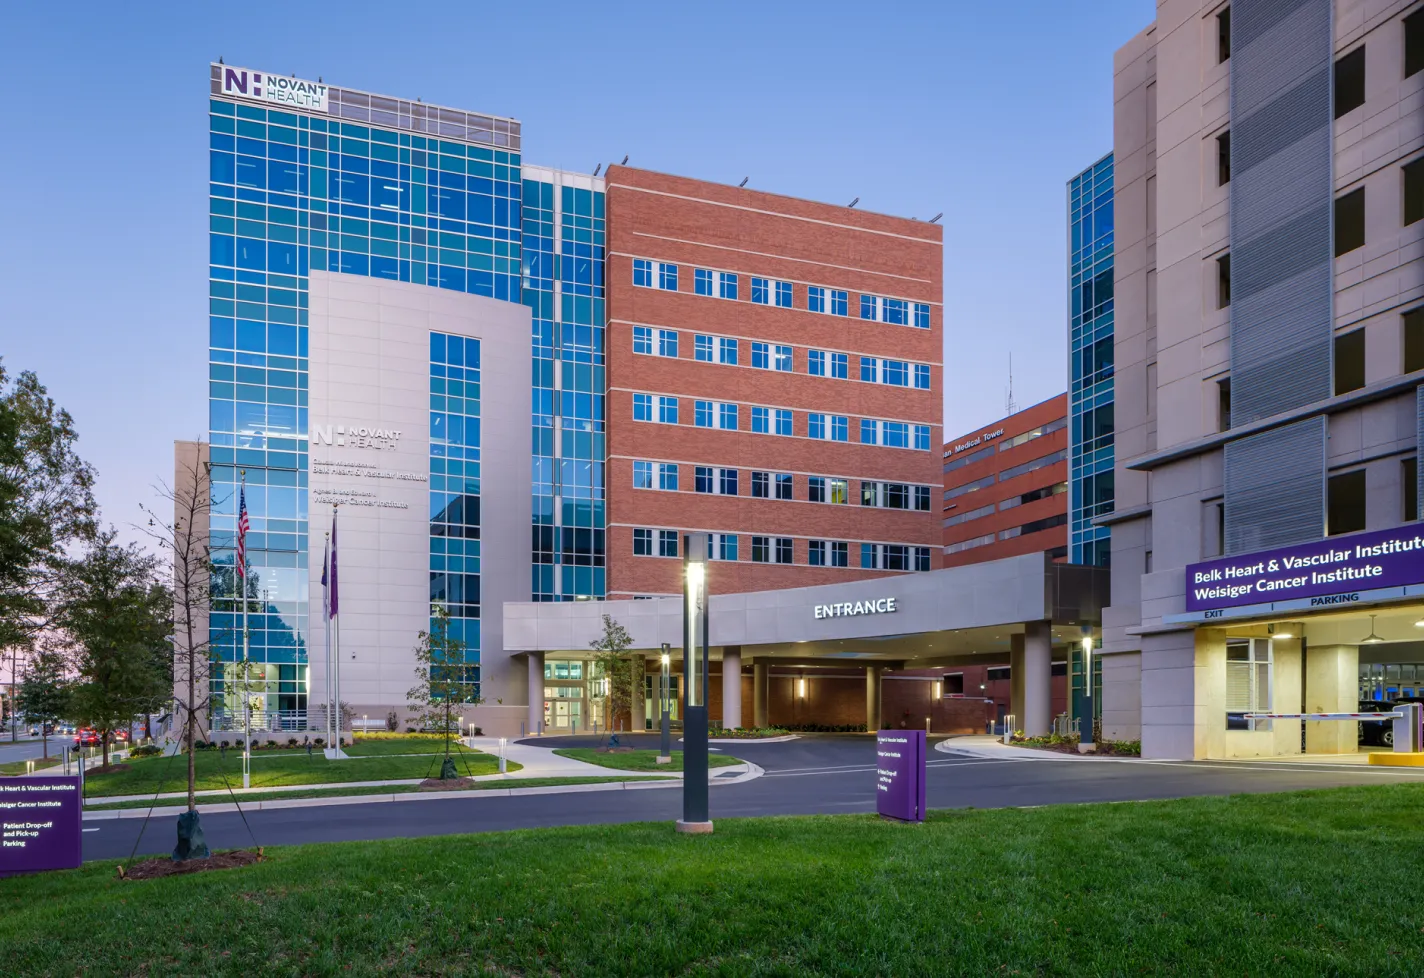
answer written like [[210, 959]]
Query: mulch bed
[[154, 868], [450, 784]]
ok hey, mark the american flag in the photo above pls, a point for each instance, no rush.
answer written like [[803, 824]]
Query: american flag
[[242, 533]]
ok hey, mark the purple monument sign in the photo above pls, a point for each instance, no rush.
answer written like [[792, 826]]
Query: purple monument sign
[[1323, 569], [40, 824], [900, 774]]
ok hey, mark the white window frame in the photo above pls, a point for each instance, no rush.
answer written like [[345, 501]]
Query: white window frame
[[664, 337], [726, 344], [1250, 682], [663, 402]]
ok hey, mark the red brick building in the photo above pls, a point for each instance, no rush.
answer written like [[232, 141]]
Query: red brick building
[[773, 377], [1006, 487]]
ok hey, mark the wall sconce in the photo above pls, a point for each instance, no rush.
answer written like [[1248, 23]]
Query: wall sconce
[[801, 688], [938, 689]]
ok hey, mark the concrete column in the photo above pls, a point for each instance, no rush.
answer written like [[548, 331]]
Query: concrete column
[[1016, 680], [872, 697], [732, 687], [536, 692], [759, 693], [638, 707], [1332, 685], [1038, 679]]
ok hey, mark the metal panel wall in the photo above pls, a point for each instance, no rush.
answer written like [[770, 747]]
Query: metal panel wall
[[1275, 487], [1282, 257]]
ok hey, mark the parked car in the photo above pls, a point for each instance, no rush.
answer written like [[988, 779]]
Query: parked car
[[48, 730], [1376, 733]]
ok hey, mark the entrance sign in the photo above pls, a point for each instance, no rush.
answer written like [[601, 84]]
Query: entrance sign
[[900, 774], [1323, 573], [40, 824], [875, 606]]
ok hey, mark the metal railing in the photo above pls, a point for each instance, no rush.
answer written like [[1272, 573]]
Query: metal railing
[[285, 720]]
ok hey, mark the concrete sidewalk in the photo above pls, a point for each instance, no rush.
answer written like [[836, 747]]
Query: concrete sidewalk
[[538, 763], [982, 745]]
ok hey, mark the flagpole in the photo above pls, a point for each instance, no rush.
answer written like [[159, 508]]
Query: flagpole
[[336, 635], [246, 699], [326, 600]]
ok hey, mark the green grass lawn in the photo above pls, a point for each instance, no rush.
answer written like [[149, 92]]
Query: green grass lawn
[[20, 767], [150, 775], [639, 760], [370, 789], [373, 747], [1306, 884]]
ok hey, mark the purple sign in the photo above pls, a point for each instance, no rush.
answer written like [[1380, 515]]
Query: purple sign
[[900, 774], [40, 824], [1323, 570]]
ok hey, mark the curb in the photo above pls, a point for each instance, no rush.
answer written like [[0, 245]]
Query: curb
[[750, 740], [1008, 752], [750, 773]]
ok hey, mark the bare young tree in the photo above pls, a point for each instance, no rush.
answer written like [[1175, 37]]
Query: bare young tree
[[187, 540]]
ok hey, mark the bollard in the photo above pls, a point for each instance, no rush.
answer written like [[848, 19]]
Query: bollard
[[502, 742], [1009, 727]]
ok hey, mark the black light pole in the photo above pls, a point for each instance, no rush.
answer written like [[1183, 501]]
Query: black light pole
[[694, 718], [665, 706]]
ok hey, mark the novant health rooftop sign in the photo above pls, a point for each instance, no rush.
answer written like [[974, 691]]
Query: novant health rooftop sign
[[1320, 570]]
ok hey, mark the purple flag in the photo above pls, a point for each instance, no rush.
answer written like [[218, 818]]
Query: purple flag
[[331, 589], [325, 588]]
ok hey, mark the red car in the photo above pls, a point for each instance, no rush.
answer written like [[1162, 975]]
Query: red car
[[89, 737]]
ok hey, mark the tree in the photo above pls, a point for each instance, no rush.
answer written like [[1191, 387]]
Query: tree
[[443, 681], [46, 504], [622, 672], [118, 617], [44, 691], [191, 578]]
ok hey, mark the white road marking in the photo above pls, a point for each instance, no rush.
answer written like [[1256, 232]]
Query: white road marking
[[91, 830]]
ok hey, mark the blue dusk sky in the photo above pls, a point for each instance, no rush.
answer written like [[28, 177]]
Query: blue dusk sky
[[982, 111]]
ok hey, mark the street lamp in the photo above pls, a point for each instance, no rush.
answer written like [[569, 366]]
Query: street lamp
[[1085, 740], [665, 706], [694, 718]]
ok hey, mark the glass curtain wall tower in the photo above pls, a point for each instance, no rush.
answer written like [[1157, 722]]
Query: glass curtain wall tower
[[1090, 361], [371, 186], [563, 262]]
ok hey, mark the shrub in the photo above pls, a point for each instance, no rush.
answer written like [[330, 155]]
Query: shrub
[[410, 730], [291, 741], [392, 722], [146, 750], [748, 733], [223, 744], [271, 743], [319, 742]]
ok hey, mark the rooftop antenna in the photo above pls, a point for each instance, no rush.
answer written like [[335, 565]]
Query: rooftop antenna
[[1009, 406], [744, 181], [220, 60], [854, 202], [936, 218], [625, 160], [597, 168]]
